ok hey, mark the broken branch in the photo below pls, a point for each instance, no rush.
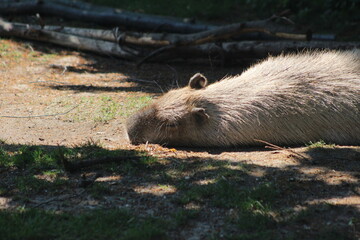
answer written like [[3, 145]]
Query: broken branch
[[276, 147]]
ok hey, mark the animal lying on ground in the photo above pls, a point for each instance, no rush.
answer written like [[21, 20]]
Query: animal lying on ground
[[284, 100]]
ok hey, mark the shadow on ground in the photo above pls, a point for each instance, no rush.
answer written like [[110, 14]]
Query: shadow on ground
[[229, 198]]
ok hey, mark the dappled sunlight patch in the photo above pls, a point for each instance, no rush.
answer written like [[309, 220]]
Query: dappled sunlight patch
[[109, 179], [21, 60], [344, 201], [208, 167], [205, 181], [4, 202], [257, 172], [155, 189], [193, 206], [339, 178], [51, 178], [329, 176], [152, 148]]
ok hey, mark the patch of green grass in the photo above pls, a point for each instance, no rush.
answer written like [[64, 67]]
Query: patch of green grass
[[44, 57], [223, 193], [14, 55], [92, 150], [253, 205], [53, 173], [43, 169], [4, 46], [230, 171], [108, 109], [21, 51], [86, 150], [132, 104], [319, 144], [30, 184], [100, 108], [9, 51], [148, 161], [96, 224], [5, 159], [133, 167], [28, 157]]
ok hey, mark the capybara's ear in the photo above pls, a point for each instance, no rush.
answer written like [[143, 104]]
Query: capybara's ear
[[200, 114], [198, 81]]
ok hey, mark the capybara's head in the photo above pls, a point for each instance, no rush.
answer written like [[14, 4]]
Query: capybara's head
[[174, 119]]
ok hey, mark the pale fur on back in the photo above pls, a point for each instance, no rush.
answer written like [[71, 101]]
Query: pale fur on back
[[289, 99]]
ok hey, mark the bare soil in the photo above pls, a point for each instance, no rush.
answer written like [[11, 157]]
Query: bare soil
[[42, 92]]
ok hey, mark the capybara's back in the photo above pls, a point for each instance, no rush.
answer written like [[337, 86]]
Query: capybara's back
[[286, 100]]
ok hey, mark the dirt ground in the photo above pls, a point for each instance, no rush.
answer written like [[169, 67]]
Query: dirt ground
[[40, 78], [44, 100]]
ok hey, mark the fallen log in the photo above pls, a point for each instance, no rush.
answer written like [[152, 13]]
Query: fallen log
[[223, 33], [228, 50], [250, 49], [126, 20], [75, 42]]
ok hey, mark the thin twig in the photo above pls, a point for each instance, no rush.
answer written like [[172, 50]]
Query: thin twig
[[159, 86], [154, 53], [36, 116], [140, 80], [276, 147], [61, 67], [176, 76]]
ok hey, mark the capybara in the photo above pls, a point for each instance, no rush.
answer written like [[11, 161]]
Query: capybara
[[285, 100]]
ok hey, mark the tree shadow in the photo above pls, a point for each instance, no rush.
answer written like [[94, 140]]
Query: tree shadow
[[95, 89], [150, 77], [296, 201], [337, 158], [221, 150]]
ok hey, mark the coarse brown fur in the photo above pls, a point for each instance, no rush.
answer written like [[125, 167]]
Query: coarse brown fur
[[286, 100]]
